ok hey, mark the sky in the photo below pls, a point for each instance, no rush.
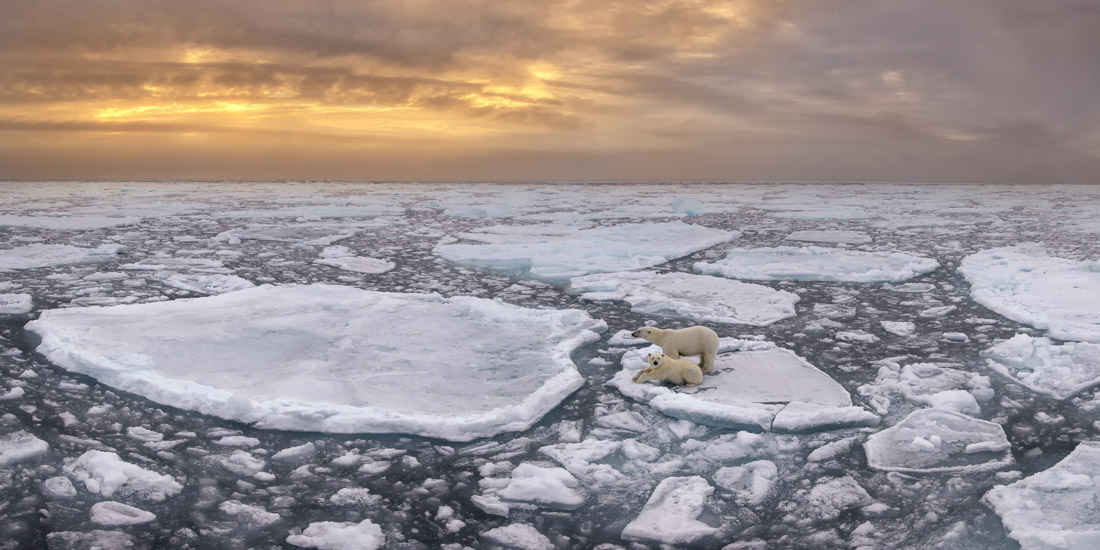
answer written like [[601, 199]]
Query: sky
[[729, 90]]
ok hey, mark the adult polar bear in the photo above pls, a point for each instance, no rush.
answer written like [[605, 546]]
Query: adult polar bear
[[697, 340]]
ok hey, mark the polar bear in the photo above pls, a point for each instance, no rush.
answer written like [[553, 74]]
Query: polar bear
[[697, 340], [662, 368]]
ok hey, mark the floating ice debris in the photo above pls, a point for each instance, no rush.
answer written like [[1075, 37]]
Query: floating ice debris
[[343, 258], [208, 284], [316, 233], [556, 256], [696, 297], [856, 336], [15, 304], [113, 513], [1054, 509], [899, 328], [13, 394], [749, 388], [240, 463], [42, 255], [927, 384], [58, 488], [143, 434], [935, 440], [312, 357], [670, 515], [1026, 285], [96, 539], [247, 515], [830, 236], [66, 223], [519, 536], [104, 473], [815, 263], [750, 483], [20, 446], [827, 500], [354, 496], [544, 486], [331, 535], [295, 455], [1060, 371]]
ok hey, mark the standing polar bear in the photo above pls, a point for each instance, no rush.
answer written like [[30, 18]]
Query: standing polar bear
[[697, 340], [662, 368]]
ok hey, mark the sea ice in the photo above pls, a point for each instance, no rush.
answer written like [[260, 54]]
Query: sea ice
[[1060, 371], [935, 440], [830, 236], [519, 536], [58, 488], [815, 263], [310, 233], [113, 513], [15, 304], [696, 297], [1026, 285], [343, 258], [247, 515], [899, 328], [547, 252], [332, 535], [316, 358], [96, 539], [43, 255], [827, 500], [20, 446], [1054, 509], [546, 486], [106, 474], [750, 483], [670, 516], [201, 283]]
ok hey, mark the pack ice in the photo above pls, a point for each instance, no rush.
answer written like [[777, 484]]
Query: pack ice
[[1054, 509], [816, 263], [1060, 371], [696, 297], [555, 253], [1026, 285], [938, 440], [332, 358], [758, 385]]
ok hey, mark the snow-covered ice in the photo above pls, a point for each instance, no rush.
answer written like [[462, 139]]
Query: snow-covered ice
[[113, 513], [106, 474], [750, 483], [332, 358], [547, 486], [14, 304], [518, 536], [334, 535], [1055, 509], [342, 257], [1060, 371], [670, 516], [697, 297], [815, 263], [20, 446], [935, 440], [553, 253], [1026, 284]]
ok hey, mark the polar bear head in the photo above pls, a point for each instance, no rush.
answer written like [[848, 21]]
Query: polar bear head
[[654, 359], [644, 332]]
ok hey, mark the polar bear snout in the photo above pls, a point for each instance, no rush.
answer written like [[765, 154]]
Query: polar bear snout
[[635, 334]]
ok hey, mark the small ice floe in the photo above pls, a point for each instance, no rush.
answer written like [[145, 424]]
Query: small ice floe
[[695, 297], [309, 233], [239, 462], [343, 258], [904, 329], [332, 535], [1059, 371], [670, 516], [1026, 285], [67, 223], [20, 446], [143, 434], [16, 392], [830, 236], [58, 488], [750, 387], [94, 539], [549, 487], [104, 473], [927, 384], [15, 304], [1054, 509], [828, 499], [456, 368], [751, 483], [299, 454], [549, 253], [936, 440], [47, 255], [354, 496], [519, 536], [815, 263], [113, 513], [856, 337], [247, 515]]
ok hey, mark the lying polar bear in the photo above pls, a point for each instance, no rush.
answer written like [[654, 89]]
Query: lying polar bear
[[697, 340], [662, 368]]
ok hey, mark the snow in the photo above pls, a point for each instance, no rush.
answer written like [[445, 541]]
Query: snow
[[749, 387], [1059, 371], [113, 513], [695, 297], [751, 483], [48, 255], [670, 515], [1027, 285], [520, 536], [935, 440], [310, 358], [554, 487], [343, 258], [830, 236], [1054, 509], [555, 253], [104, 473], [15, 304], [332, 535], [20, 446], [815, 263]]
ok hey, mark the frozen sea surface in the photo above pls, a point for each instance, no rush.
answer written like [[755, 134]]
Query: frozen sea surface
[[969, 356]]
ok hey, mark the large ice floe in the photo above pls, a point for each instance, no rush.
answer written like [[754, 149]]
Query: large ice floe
[[1054, 509], [754, 385], [1027, 285], [1060, 371], [937, 440], [332, 358], [42, 255], [555, 253], [696, 297], [816, 263]]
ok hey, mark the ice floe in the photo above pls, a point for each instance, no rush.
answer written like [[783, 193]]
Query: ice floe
[[1054, 509], [815, 263], [332, 358], [752, 384], [106, 474], [1027, 285], [555, 253], [311, 233], [542, 486], [20, 446], [751, 483], [670, 516], [927, 384], [1060, 371], [518, 536], [333, 535], [44, 255], [936, 440], [696, 297], [830, 236], [15, 304], [343, 258], [113, 513]]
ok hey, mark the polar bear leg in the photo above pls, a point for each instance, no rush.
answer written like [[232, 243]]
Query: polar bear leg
[[706, 361]]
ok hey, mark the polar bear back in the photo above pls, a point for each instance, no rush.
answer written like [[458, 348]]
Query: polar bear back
[[696, 340]]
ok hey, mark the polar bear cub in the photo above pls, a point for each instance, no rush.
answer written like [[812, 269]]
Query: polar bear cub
[[662, 368], [697, 340]]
